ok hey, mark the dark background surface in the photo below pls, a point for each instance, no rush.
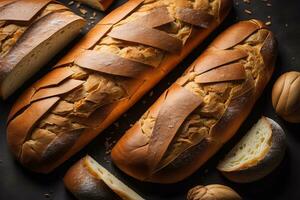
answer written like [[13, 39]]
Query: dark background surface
[[17, 183]]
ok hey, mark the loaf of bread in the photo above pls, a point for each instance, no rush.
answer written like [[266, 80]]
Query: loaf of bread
[[212, 192], [97, 4], [286, 96], [258, 153], [31, 33], [118, 61], [202, 110], [88, 180]]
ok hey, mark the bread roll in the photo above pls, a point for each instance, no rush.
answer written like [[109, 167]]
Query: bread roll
[[88, 180], [202, 110], [258, 153], [118, 61], [213, 191], [98, 4], [31, 33], [286, 96]]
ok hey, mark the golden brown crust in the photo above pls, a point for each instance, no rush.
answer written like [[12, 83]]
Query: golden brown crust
[[228, 86], [85, 109], [286, 96], [98, 4]]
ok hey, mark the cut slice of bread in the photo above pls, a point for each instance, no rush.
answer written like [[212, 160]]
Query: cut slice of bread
[[257, 154], [87, 179]]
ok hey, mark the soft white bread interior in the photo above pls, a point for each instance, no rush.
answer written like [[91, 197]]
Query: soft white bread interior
[[38, 57], [87, 179], [256, 154]]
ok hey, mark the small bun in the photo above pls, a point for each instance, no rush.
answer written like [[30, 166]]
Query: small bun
[[214, 191], [286, 96]]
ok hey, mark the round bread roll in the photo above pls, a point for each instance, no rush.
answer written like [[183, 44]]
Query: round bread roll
[[214, 191], [286, 96]]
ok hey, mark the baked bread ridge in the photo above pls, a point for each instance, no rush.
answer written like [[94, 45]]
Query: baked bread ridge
[[98, 4], [167, 145], [73, 103], [266, 163], [31, 33], [88, 180]]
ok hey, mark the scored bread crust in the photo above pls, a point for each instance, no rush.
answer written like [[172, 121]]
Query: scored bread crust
[[171, 141], [25, 27], [98, 4], [266, 164], [79, 98], [86, 182]]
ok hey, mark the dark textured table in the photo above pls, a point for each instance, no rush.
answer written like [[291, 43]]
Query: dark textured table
[[17, 183]]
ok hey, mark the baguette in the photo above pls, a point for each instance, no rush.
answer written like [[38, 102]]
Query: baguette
[[88, 180], [31, 33], [117, 62], [98, 4], [258, 153], [202, 110]]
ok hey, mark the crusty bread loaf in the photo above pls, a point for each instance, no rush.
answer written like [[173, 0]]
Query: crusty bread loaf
[[117, 62], [97, 4], [258, 153], [202, 110], [212, 192], [286, 96], [31, 33], [88, 180]]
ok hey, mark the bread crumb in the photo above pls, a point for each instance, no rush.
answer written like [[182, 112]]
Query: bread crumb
[[71, 3], [83, 11], [247, 1], [78, 5], [94, 14], [269, 5], [268, 23], [131, 125], [249, 12], [286, 25], [269, 17], [46, 195], [151, 94]]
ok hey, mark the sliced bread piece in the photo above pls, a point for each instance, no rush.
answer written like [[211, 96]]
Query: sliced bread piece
[[258, 153], [31, 33], [88, 180]]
